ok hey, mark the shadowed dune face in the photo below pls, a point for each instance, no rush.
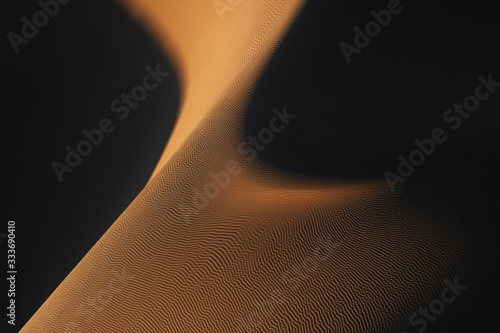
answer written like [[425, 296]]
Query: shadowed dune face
[[268, 251]]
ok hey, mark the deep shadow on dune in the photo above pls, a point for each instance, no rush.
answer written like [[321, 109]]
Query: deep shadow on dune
[[355, 119], [62, 82]]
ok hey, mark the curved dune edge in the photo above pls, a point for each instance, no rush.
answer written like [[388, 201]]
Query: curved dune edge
[[217, 59], [271, 252]]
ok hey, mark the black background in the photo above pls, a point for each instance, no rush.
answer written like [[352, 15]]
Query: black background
[[354, 120]]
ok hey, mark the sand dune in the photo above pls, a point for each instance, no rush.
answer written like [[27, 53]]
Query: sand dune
[[271, 252]]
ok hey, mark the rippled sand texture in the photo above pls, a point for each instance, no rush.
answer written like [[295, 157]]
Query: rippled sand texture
[[271, 252]]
